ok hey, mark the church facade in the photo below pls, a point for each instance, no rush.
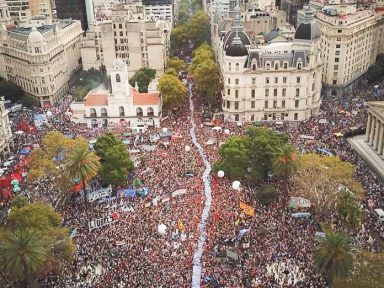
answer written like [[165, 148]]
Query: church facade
[[123, 106]]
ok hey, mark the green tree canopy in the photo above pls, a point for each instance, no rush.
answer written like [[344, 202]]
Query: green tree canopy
[[348, 207], [172, 90], [333, 258], [143, 77], [179, 38], [176, 63], [172, 71], [114, 158], [199, 28], [207, 77]]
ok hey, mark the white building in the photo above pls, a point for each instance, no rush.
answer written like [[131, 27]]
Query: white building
[[159, 9], [19, 10], [5, 132], [41, 60], [123, 106], [128, 35], [280, 81], [351, 40]]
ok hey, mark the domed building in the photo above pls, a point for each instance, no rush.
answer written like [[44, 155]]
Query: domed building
[[279, 80]]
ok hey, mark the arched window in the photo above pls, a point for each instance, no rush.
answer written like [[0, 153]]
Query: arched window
[[92, 112], [105, 123], [94, 123], [237, 66], [103, 112], [139, 112], [121, 111], [254, 67], [150, 112], [117, 77], [229, 66], [299, 66]]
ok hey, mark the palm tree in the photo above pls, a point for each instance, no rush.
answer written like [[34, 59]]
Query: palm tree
[[22, 255], [82, 164], [333, 257]]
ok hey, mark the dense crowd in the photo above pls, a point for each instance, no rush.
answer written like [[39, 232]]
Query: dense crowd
[[266, 250]]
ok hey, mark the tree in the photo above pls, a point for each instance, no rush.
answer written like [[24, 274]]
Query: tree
[[80, 93], [285, 163], [333, 258], [199, 28], [114, 158], [172, 90], [263, 145], [179, 38], [143, 77], [19, 201], [266, 195], [348, 207], [319, 179], [234, 159], [46, 224], [176, 63], [22, 256], [82, 164], [203, 53], [172, 71], [368, 272], [207, 77]]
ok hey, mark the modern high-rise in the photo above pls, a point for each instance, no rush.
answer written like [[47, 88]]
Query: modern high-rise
[[351, 40], [41, 60], [75, 9]]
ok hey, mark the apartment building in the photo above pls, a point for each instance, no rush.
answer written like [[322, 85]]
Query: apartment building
[[5, 132], [41, 59]]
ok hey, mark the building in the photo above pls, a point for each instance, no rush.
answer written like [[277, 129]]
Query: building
[[5, 16], [123, 106], [351, 40], [291, 7], [374, 134], [19, 10], [75, 9], [40, 7], [159, 9], [6, 137], [41, 60], [278, 81], [130, 36]]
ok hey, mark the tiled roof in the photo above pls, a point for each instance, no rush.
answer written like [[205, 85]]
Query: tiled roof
[[145, 98], [96, 100]]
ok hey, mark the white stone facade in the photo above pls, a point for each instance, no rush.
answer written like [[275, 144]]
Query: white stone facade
[[41, 60], [280, 81], [123, 106], [5, 132]]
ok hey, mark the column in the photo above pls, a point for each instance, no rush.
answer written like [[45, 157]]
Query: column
[[381, 136], [372, 131], [376, 137], [368, 130]]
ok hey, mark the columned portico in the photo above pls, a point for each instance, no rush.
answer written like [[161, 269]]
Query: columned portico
[[375, 127]]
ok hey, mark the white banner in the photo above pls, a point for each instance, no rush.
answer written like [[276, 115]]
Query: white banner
[[100, 193], [97, 223]]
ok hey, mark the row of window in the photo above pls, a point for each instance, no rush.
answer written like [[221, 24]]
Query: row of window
[[267, 80], [227, 104], [268, 65], [139, 112], [274, 116], [253, 92]]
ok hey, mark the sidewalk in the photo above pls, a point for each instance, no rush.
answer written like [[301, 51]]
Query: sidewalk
[[367, 154]]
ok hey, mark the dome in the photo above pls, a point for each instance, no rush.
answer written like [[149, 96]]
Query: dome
[[236, 48], [308, 31], [35, 37], [228, 38]]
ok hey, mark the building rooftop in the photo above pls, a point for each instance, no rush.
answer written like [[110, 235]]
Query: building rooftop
[[145, 98]]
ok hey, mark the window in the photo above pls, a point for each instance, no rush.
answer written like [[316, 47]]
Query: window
[[237, 117], [236, 105], [284, 92], [267, 80], [283, 104], [274, 104], [228, 105], [254, 67], [229, 66], [335, 67], [336, 59], [103, 112], [297, 79], [268, 66], [338, 39], [337, 53], [276, 66], [265, 116], [253, 81], [150, 112], [118, 78], [284, 80], [334, 82], [285, 65], [121, 111], [228, 92], [237, 81], [266, 104], [338, 46], [253, 93], [92, 112], [276, 80], [295, 116], [237, 66], [253, 117], [275, 92], [299, 66], [139, 112], [236, 93], [252, 104], [339, 31], [297, 103], [297, 92], [266, 92], [120, 26], [229, 80]]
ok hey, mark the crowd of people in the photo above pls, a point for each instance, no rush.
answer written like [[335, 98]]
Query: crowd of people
[[266, 250]]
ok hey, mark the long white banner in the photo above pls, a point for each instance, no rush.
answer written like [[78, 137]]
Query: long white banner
[[97, 223], [100, 193]]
